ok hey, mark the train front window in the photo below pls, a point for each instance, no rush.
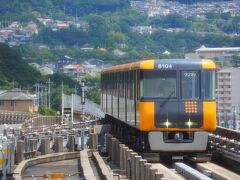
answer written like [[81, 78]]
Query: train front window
[[190, 85], [158, 84], [209, 84]]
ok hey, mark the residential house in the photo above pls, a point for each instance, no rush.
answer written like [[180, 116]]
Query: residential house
[[118, 52], [93, 66], [74, 70], [45, 70], [17, 100], [32, 27], [142, 29], [63, 61], [45, 21]]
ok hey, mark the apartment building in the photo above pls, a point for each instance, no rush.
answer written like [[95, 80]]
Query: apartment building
[[204, 52], [228, 97]]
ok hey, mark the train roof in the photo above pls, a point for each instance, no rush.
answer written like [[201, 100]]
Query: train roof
[[163, 64]]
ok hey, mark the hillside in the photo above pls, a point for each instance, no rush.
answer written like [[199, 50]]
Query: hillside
[[16, 73], [114, 26], [25, 10], [14, 69], [195, 1]]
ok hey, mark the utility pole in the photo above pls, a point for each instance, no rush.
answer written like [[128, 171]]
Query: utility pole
[[72, 108], [62, 104], [45, 95], [49, 93], [82, 98], [38, 93], [75, 90], [35, 85], [42, 94]]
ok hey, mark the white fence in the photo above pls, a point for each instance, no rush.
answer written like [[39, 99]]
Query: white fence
[[89, 107]]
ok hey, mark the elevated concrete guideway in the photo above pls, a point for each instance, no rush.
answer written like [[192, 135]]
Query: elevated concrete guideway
[[45, 139]]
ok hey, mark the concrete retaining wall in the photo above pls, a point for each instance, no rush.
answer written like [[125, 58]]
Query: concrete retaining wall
[[43, 159], [103, 170]]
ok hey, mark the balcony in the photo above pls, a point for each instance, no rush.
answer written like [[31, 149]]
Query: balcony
[[220, 83], [219, 96]]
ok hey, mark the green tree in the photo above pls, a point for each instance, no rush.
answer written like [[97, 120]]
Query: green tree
[[235, 60], [47, 112], [15, 69]]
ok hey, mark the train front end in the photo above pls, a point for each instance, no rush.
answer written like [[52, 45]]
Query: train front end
[[178, 106]]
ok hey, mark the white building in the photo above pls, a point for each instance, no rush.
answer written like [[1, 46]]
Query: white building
[[204, 52], [228, 97]]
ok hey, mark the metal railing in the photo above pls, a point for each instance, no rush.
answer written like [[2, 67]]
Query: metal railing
[[75, 101]]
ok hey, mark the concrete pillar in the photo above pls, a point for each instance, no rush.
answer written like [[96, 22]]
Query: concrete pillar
[[133, 165], [93, 141], [137, 167], [146, 171], [33, 144], [58, 144], [113, 149], [128, 162], [108, 141], [121, 157], [116, 152], [158, 176], [11, 158], [125, 158], [45, 146], [71, 143], [142, 162], [152, 173], [20, 151]]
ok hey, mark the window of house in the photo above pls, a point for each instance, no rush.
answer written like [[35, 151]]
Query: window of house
[[13, 103], [1, 103]]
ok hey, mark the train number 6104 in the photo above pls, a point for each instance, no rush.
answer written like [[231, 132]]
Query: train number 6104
[[165, 66]]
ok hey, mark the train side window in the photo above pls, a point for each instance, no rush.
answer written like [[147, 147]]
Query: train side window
[[190, 85], [209, 85]]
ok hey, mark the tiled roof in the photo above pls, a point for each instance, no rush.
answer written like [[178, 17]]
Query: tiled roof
[[14, 95]]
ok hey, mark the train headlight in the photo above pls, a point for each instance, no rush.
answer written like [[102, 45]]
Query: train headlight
[[167, 123], [189, 123]]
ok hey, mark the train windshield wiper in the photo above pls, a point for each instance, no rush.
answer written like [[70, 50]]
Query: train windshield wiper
[[167, 99]]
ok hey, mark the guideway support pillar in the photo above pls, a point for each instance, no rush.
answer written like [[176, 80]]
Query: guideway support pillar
[[45, 146], [71, 143], [128, 160], [20, 151], [93, 141], [58, 144]]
